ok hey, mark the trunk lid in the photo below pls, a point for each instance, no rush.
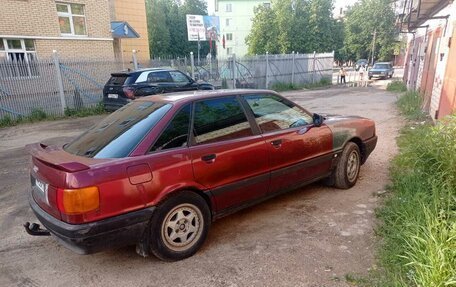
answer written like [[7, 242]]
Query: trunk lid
[[48, 172], [115, 85]]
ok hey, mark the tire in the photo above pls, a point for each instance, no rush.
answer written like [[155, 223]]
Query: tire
[[179, 226], [370, 78], [346, 172]]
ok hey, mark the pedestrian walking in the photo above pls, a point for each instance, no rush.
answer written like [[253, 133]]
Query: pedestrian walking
[[362, 71], [342, 75]]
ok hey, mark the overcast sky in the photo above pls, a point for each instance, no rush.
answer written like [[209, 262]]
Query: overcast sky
[[337, 4]]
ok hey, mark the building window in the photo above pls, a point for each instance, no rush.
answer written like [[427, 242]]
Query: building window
[[18, 58], [267, 5], [72, 19], [228, 22], [229, 36], [229, 51], [228, 7]]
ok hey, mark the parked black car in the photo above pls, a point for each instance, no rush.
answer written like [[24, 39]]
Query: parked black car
[[124, 87], [381, 70]]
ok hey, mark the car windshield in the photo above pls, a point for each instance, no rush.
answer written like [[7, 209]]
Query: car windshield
[[381, 66], [118, 134]]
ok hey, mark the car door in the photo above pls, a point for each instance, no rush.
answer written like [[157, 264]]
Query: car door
[[182, 82], [160, 82], [229, 156], [298, 151]]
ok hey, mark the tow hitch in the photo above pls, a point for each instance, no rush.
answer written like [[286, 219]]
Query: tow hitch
[[35, 229]]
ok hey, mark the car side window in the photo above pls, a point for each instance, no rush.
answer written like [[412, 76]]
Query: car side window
[[176, 133], [159, 77], [178, 77], [274, 113], [220, 119], [142, 78]]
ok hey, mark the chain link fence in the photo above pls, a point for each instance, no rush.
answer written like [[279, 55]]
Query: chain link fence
[[52, 85]]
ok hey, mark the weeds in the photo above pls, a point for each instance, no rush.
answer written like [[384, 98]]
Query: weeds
[[409, 104], [396, 87], [281, 86], [419, 218], [86, 111], [38, 115]]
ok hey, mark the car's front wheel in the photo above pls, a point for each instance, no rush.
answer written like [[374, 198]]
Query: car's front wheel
[[179, 226], [346, 172]]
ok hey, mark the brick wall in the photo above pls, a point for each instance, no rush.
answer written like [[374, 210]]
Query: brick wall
[[39, 18], [71, 49]]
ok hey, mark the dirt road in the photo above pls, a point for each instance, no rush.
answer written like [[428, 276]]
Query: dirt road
[[313, 236]]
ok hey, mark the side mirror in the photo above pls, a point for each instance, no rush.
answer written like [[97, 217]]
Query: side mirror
[[317, 120]]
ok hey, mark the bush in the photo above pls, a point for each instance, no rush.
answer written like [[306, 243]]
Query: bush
[[396, 86], [419, 218]]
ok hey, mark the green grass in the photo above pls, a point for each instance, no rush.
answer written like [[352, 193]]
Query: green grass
[[409, 103], [38, 115], [281, 86], [86, 111], [396, 87], [418, 230]]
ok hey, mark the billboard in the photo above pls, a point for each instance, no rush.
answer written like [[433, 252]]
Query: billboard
[[204, 27]]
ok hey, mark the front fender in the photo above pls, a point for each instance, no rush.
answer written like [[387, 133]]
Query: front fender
[[347, 128]]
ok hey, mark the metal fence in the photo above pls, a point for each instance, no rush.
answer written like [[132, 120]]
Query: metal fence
[[52, 85]]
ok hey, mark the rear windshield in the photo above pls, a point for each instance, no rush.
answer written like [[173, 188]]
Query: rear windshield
[[119, 80], [381, 66], [118, 134]]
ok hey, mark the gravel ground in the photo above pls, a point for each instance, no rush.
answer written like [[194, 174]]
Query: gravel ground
[[313, 236]]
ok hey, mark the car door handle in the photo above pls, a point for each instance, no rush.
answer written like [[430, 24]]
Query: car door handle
[[276, 143], [209, 158]]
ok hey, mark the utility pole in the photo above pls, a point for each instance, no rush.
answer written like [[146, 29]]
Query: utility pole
[[373, 46], [199, 47]]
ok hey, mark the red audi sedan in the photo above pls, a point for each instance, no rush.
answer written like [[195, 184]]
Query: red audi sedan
[[159, 170]]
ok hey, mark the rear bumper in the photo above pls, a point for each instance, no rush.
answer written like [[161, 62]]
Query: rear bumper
[[92, 237], [369, 145]]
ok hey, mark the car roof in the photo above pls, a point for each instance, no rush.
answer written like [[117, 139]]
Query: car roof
[[202, 94], [132, 72], [383, 63]]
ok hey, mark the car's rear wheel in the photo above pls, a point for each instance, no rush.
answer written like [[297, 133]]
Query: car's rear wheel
[[179, 226], [346, 172]]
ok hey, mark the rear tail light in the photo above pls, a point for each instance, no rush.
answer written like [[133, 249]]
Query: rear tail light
[[78, 201], [129, 92]]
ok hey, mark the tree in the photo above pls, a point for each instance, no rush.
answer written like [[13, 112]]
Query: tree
[[159, 36], [264, 33], [321, 25], [167, 27], [365, 18], [291, 25]]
